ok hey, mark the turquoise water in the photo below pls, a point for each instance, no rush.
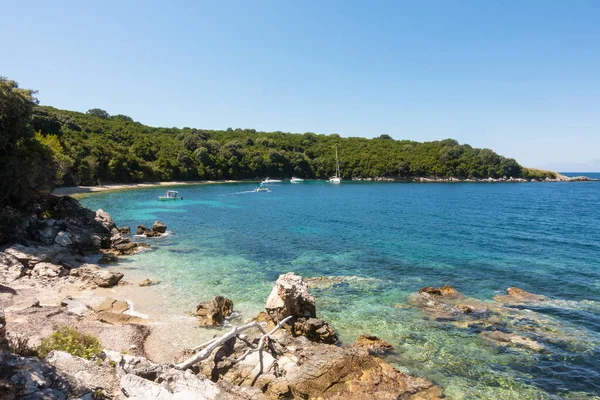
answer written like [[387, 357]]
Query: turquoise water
[[388, 240]]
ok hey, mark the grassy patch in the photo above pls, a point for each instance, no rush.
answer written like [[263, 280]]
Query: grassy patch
[[72, 341]]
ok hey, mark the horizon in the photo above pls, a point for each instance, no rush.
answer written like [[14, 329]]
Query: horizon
[[518, 79]]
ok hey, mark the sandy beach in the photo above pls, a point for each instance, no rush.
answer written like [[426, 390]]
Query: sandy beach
[[73, 190]]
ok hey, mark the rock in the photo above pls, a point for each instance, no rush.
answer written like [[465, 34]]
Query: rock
[[74, 306], [31, 255], [11, 268], [315, 329], [214, 311], [63, 239], [505, 339], [373, 344], [108, 258], [148, 282], [118, 238], [444, 291], [97, 275], [48, 270], [125, 230], [88, 375], [141, 229], [519, 296], [130, 248], [114, 318], [290, 297], [47, 235], [105, 220], [152, 234], [159, 227], [112, 305]]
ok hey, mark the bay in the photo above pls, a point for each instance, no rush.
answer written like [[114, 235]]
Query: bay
[[387, 240]]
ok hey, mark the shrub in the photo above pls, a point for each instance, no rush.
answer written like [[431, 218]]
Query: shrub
[[19, 344], [72, 341]]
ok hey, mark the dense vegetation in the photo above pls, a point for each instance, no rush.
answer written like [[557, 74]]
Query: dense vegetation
[[43, 146], [96, 148]]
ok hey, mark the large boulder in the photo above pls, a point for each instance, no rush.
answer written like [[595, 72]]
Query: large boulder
[[214, 311], [31, 255], [290, 297], [159, 227], [98, 276], [11, 268]]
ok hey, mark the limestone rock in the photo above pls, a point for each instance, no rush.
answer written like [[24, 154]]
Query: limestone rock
[[519, 296], [505, 339], [108, 258], [127, 249], [105, 220], [11, 268], [31, 255], [373, 344], [315, 329], [48, 270], [141, 229], [125, 230], [159, 227], [63, 239], [97, 275], [290, 297], [214, 311], [443, 291]]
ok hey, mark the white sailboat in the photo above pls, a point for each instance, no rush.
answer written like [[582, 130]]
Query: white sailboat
[[336, 179]]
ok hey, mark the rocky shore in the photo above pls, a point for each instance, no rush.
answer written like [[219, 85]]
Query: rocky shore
[[50, 277], [559, 178]]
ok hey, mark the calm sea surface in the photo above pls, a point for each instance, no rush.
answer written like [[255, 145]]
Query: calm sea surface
[[388, 240]]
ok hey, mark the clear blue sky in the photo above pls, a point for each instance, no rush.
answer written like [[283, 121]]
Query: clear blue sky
[[519, 77]]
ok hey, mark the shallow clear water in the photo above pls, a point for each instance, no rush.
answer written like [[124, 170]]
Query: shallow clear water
[[389, 240]]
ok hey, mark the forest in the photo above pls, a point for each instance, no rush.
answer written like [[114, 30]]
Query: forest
[[95, 148], [41, 147]]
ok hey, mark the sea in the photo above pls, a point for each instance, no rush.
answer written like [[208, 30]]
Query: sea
[[376, 245]]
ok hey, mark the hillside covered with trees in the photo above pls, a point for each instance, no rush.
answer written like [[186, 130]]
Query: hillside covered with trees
[[96, 147]]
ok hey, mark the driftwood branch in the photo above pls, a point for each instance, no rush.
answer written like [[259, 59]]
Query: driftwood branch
[[216, 342], [262, 340]]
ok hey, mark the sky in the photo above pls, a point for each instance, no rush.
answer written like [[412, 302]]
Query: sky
[[519, 77]]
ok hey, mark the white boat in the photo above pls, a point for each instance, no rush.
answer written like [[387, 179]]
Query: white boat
[[268, 180], [296, 180], [261, 188], [170, 195], [336, 179]]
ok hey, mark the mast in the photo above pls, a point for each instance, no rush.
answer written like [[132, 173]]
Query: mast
[[337, 164]]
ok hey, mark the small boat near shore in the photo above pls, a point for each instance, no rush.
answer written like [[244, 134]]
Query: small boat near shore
[[261, 188], [296, 180], [269, 180], [170, 195]]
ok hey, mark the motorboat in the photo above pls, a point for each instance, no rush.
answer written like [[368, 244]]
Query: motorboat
[[336, 179], [261, 188], [269, 180], [296, 180], [170, 195]]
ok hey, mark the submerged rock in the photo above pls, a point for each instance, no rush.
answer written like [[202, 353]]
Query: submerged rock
[[443, 291], [214, 311], [290, 297], [519, 296], [148, 282], [505, 339], [373, 344]]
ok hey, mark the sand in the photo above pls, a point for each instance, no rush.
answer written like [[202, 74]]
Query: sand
[[71, 190]]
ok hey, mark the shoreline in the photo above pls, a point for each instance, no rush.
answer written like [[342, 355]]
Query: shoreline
[[81, 190]]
